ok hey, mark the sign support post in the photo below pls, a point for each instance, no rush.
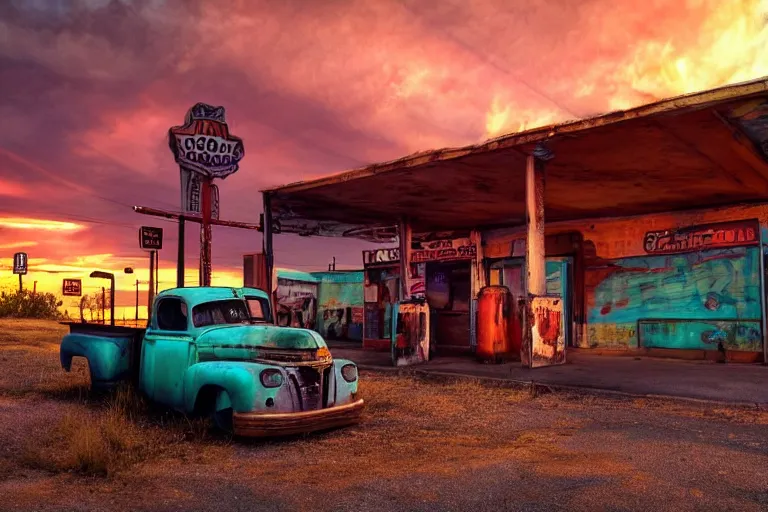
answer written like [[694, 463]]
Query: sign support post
[[205, 235], [151, 240], [20, 261], [151, 293]]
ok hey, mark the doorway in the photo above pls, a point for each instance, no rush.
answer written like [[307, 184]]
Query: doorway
[[448, 291]]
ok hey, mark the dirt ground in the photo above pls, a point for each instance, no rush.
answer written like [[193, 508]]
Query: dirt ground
[[421, 446]]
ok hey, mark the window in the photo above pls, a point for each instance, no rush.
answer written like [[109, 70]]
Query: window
[[258, 308], [220, 312], [172, 314]]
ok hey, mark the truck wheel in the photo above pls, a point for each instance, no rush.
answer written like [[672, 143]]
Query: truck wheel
[[223, 420]]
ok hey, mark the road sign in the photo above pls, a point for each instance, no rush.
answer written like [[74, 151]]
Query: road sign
[[150, 239], [20, 263], [72, 288]]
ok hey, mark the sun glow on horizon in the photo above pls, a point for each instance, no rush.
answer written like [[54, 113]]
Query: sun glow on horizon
[[38, 224]]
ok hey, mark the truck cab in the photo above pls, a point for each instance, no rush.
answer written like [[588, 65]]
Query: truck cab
[[216, 351]]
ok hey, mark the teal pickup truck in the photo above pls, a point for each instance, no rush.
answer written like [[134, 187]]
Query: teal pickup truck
[[216, 351]]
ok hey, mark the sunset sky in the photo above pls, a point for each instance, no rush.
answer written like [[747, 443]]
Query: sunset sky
[[89, 89]]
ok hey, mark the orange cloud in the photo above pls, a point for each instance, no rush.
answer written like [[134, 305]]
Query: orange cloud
[[18, 245], [38, 224]]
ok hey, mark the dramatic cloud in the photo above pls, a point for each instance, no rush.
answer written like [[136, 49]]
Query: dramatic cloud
[[90, 89]]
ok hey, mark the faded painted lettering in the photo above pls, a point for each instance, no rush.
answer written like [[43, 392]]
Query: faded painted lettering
[[726, 234]]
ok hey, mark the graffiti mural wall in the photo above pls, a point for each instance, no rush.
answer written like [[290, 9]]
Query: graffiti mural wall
[[340, 305], [687, 280], [685, 301], [296, 299], [330, 303]]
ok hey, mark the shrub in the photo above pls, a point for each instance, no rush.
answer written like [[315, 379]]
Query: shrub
[[26, 304]]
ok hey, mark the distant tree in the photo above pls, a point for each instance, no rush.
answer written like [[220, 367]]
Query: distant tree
[[102, 304], [89, 303], [25, 304]]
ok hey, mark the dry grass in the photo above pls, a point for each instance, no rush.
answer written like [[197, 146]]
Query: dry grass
[[114, 436], [413, 427], [95, 435], [29, 358]]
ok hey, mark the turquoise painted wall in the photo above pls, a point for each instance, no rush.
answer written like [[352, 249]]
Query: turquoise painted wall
[[337, 292], [681, 301]]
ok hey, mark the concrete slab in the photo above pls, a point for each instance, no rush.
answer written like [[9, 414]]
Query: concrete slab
[[703, 380]]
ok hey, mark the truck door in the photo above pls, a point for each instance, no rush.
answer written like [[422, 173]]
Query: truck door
[[166, 352], [551, 316]]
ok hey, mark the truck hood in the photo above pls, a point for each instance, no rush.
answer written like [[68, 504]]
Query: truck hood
[[261, 343]]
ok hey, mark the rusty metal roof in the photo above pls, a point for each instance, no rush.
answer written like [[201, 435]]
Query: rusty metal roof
[[698, 150]]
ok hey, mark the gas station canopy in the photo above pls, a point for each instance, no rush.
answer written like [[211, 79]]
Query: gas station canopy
[[700, 150]]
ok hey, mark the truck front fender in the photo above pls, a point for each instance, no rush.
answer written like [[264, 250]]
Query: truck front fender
[[345, 391], [109, 358], [238, 385]]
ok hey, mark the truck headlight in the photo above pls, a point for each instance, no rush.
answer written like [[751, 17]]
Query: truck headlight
[[349, 372], [271, 378]]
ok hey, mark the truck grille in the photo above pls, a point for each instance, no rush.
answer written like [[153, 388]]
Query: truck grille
[[311, 385]]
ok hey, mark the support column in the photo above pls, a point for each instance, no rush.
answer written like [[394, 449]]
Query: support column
[[405, 235], [535, 259], [267, 231], [478, 283], [180, 255], [763, 306]]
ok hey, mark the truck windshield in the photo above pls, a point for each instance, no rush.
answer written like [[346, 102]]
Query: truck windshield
[[220, 312]]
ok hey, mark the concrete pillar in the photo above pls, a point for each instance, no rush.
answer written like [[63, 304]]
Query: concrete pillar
[[535, 258], [534, 203], [405, 235]]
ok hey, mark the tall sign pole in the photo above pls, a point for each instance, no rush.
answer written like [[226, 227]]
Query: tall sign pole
[[20, 263], [205, 235], [204, 150]]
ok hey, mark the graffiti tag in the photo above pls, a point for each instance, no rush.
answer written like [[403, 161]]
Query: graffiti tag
[[437, 250], [381, 256], [727, 234]]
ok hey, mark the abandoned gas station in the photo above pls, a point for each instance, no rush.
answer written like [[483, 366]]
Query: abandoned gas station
[[634, 232]]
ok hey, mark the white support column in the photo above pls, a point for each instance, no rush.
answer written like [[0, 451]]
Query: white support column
[[405, 235], [535, 258], [534, 201]]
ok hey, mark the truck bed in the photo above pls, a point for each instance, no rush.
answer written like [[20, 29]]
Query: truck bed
[[91, 333]]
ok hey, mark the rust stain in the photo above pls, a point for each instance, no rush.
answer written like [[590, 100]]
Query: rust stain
[[548, 323]]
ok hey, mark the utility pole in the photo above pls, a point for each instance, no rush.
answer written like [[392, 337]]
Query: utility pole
[[137, 302], [34, 288], [180, 255]]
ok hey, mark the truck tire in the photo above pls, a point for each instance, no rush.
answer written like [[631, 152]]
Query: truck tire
[[223, 420]]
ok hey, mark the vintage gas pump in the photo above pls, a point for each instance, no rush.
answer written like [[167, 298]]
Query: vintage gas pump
[[410, 332]]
